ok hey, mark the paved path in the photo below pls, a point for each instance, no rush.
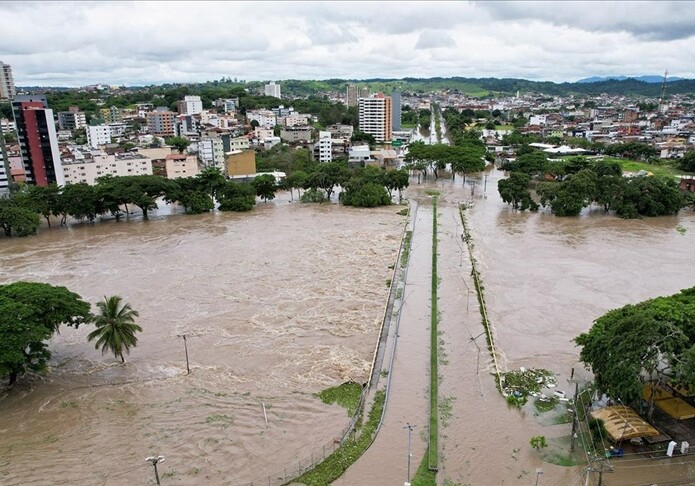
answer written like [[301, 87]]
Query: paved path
[[385, 462]]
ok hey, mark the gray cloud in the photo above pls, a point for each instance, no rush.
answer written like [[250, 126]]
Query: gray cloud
[[144, 42], [430, 39]]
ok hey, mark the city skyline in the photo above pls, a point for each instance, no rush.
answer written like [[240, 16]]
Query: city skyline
[[142, 43]]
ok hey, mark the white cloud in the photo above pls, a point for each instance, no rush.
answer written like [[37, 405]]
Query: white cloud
[[148, 42]]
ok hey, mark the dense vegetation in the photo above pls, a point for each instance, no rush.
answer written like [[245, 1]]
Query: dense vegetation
[[577, 182], [30, 313], [111, 196], [629, 346]]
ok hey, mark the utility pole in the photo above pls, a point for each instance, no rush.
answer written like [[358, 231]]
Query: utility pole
[[185, 347], [410, 430], [575, 413], [154, 461]]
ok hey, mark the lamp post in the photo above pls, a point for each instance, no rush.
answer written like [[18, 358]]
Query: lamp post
[[185, 347], [154, 461], [410, 430], [539, 471]]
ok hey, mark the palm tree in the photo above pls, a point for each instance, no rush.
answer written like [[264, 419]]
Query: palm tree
[[115, 327]]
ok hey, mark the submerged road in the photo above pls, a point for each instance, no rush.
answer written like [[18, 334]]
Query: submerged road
[[385, 462]]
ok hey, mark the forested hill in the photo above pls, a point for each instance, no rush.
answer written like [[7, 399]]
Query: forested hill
[[480, 87]]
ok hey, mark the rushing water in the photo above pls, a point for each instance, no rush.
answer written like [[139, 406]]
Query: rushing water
[[277, 304], [284, 301]]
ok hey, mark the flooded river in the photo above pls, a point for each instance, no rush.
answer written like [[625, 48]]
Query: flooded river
[[277, 304], [285, 301]]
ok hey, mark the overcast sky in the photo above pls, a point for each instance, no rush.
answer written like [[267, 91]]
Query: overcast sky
[[136, 43]]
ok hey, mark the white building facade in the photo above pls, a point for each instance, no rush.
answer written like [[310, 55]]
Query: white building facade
[[98, 135], [191, 105], [272, 89], [88, 170], [325, 145]]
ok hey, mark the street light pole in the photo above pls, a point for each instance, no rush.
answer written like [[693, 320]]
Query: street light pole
[[154, 461], [185, 347], [410, 429]]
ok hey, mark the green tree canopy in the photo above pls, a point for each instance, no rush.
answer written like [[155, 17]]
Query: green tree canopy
[[636, 343], [115, 327], [29, 315]]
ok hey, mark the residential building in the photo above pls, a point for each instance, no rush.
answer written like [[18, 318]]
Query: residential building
[[236, 143], [363, 92], [272, 89], [296, 134], [324, 147], [91, 168], [191, 105], [294, 120], [265, 118], [341, 131], [161, 123], [181, 165], [38, 141], [375, 116], [98, 135], [117, 129], [111, 115], [228, 105], [211, 151], [4, 168], [7, 89], [7, 125], [186, 126], [71, 120], [260, 133], [240, 163], [351, 96], [396, 110]]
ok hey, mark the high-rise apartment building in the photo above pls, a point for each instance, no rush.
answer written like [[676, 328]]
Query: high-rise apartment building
[[98, 135], [396, 106], [7, 89], [71, 120], [191, 105], [161, 123], [363, 92], [38, 142], [351, 96], [272, 89], [375, 116]]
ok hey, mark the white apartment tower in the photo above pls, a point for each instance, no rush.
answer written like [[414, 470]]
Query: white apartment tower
[[375, 116], [7, 89], [191, 105], [98, 135], [325, 147], [272, 89]]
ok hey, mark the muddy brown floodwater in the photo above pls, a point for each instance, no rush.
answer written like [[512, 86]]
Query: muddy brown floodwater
[[277, 304], [546, 279]]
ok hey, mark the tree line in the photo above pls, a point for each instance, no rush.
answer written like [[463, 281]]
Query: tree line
[[111, 196], [653, 340], [436, 157], [573, 184], [31, 313]]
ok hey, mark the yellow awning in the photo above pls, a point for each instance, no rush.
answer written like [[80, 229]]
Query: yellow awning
[[623, 423]]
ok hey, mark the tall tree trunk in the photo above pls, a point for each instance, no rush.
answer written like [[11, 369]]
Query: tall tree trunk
[[122, 358], [13, 378], [48, 220]]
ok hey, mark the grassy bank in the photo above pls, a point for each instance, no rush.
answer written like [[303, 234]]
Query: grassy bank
[[664, 170], [346, 395], [354, 446], [433, 450], [423, 475]]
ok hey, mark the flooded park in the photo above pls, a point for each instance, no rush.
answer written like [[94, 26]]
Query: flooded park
[[287, 300]]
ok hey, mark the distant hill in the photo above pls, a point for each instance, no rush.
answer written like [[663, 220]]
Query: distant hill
[[645, 79]]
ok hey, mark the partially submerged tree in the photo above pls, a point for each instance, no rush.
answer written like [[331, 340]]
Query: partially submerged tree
[[115, 327], [30, 313], [629, 346]]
